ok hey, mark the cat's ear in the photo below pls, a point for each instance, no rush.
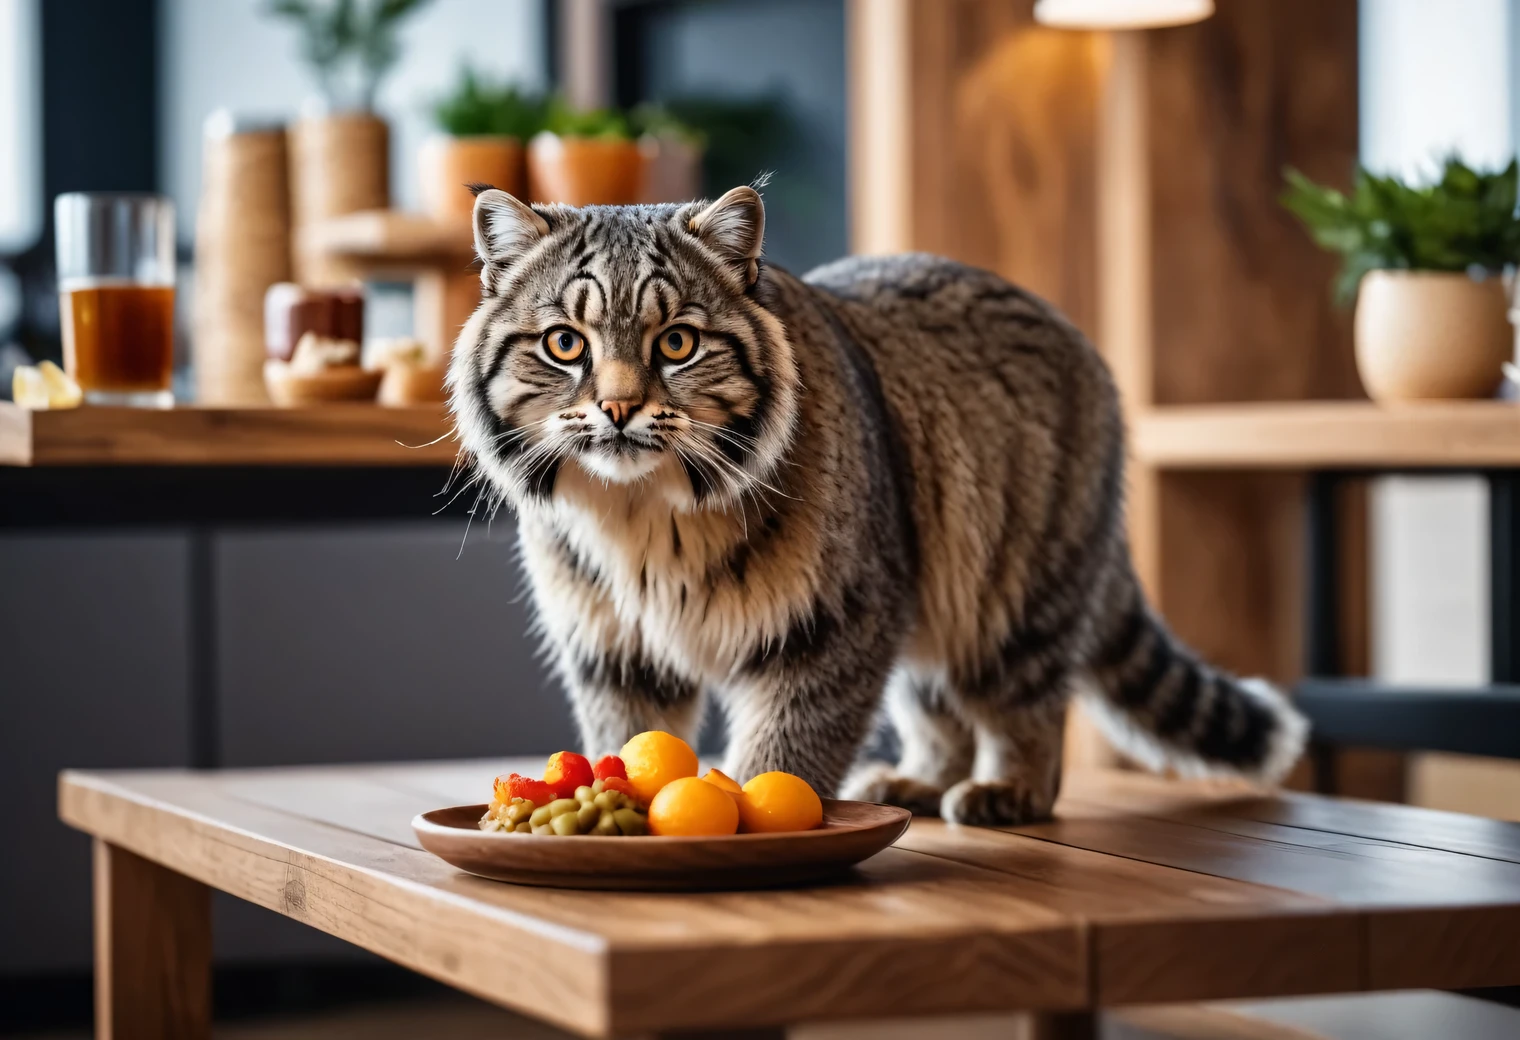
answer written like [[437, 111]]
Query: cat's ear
[[734, 228], [505, 228]]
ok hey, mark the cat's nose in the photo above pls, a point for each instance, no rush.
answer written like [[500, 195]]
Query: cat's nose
[[620, 411]]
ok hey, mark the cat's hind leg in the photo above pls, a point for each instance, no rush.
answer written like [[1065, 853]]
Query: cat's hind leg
[[936, 748], [1016, 774]]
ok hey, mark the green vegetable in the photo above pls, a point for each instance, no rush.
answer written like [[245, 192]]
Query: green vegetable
[[1463, 220]]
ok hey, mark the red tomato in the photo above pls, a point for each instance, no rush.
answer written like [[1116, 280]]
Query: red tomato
[[609, 765], [566, 771]]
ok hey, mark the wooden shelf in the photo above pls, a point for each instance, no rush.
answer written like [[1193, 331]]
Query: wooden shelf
[[332, 435], [386, 238], [1302, 435]]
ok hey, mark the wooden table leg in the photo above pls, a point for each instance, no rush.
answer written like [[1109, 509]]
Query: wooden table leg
[[1066, 1025], [152, 950]]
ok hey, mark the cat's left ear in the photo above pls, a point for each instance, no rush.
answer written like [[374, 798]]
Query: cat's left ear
[[504, 227], [734, 228]]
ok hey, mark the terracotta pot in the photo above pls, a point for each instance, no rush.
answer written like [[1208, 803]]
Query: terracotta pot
[[338, 164], [672, 169], [450, 163], [584, 171], [1424, 335]]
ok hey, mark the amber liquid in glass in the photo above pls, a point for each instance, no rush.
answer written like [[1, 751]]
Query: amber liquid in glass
[[119, 338]]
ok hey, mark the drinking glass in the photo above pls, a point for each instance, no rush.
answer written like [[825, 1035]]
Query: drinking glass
[[116, 295]]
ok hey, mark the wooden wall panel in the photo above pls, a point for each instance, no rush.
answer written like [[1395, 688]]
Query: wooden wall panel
[[1241, 302], [996, 132]]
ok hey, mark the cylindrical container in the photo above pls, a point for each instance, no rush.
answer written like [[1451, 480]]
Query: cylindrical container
[[338, 164], [584, 171], [242, 247], [449, 164], [672, 169], [1430, 335], [291, 311], [116, 295]]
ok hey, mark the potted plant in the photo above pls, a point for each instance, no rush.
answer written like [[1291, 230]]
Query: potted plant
[[672, 150], [1426, 265], [340, 156], [585, 158], [483, 126]]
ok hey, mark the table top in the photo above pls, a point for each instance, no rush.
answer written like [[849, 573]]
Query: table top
[[1300, 435], [329, 435], [1142, 890]]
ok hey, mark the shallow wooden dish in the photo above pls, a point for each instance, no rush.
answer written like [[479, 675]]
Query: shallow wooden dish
[[851, 832], [411, 384], [343, 383]]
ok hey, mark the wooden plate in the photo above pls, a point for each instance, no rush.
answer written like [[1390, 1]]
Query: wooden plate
[[851, 832], [343, 383]]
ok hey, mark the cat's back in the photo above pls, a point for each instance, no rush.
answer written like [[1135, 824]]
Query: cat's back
[[1009, 419]]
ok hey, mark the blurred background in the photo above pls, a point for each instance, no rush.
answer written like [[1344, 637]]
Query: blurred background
[[215, 612]]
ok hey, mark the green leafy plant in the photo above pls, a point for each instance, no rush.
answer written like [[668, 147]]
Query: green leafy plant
[[567, 121], [1464, 219], [349, 44], [480, 107], [658, 120]]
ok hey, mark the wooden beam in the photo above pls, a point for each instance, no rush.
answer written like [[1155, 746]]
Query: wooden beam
[[152, 950]]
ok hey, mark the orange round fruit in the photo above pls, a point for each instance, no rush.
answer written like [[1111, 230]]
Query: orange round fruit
[[718, 778], [654, 759], [690, 807], [779, 802]]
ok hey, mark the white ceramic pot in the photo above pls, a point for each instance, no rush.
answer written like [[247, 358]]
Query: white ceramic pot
[[1425, 335]]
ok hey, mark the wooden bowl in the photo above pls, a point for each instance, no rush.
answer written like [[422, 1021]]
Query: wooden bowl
[[851, 832], [343, 383], [412, 384]]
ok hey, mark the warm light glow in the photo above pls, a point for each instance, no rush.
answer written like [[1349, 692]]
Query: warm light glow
[[1121, 14]]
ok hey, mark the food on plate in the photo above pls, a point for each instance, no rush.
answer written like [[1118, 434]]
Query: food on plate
[[779, 802], [651, 788], [566, 772], [718, 778], [655, 759], [43, 387], [690, 807], [609, 765], [515, 785], [593, 809]]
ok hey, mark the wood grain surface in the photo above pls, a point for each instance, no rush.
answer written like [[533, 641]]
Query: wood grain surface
[[326, 435], [1142, 890], [152, 950], [851, 832], [1302, 435]]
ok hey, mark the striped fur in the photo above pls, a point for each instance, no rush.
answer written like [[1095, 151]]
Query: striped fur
[[896, 474]]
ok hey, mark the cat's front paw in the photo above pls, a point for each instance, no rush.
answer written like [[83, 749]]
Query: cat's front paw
[[994, 803], [879, 782]]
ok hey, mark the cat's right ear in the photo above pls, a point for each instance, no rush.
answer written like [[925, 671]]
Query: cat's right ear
[[505, 228]]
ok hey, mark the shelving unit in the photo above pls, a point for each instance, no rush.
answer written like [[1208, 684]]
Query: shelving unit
[[338, 435], [1305, 435]]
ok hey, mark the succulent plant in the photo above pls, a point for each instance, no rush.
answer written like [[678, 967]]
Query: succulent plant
[[349, 44], [1463, 220]]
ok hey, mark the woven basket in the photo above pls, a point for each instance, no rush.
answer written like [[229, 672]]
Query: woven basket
[[242, 246], [338, 164]]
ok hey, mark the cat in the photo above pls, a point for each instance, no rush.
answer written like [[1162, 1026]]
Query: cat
[[895, 479]]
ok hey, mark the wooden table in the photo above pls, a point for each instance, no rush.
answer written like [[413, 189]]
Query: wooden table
[[1142, 891]]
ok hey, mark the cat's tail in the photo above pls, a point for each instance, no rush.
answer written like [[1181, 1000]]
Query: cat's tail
[[1158, 702]]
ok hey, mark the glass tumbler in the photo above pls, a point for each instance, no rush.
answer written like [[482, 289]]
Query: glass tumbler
[[116, 296]]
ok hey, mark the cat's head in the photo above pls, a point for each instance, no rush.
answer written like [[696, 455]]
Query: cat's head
[[629, 341]]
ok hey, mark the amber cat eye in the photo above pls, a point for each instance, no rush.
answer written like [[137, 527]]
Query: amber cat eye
[[564, 344], [677, 343]]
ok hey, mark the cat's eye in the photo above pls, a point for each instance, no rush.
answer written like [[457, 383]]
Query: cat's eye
[[564, 344], [677, 343]]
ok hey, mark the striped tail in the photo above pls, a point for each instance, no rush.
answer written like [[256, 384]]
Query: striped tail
[[1163, 706]]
